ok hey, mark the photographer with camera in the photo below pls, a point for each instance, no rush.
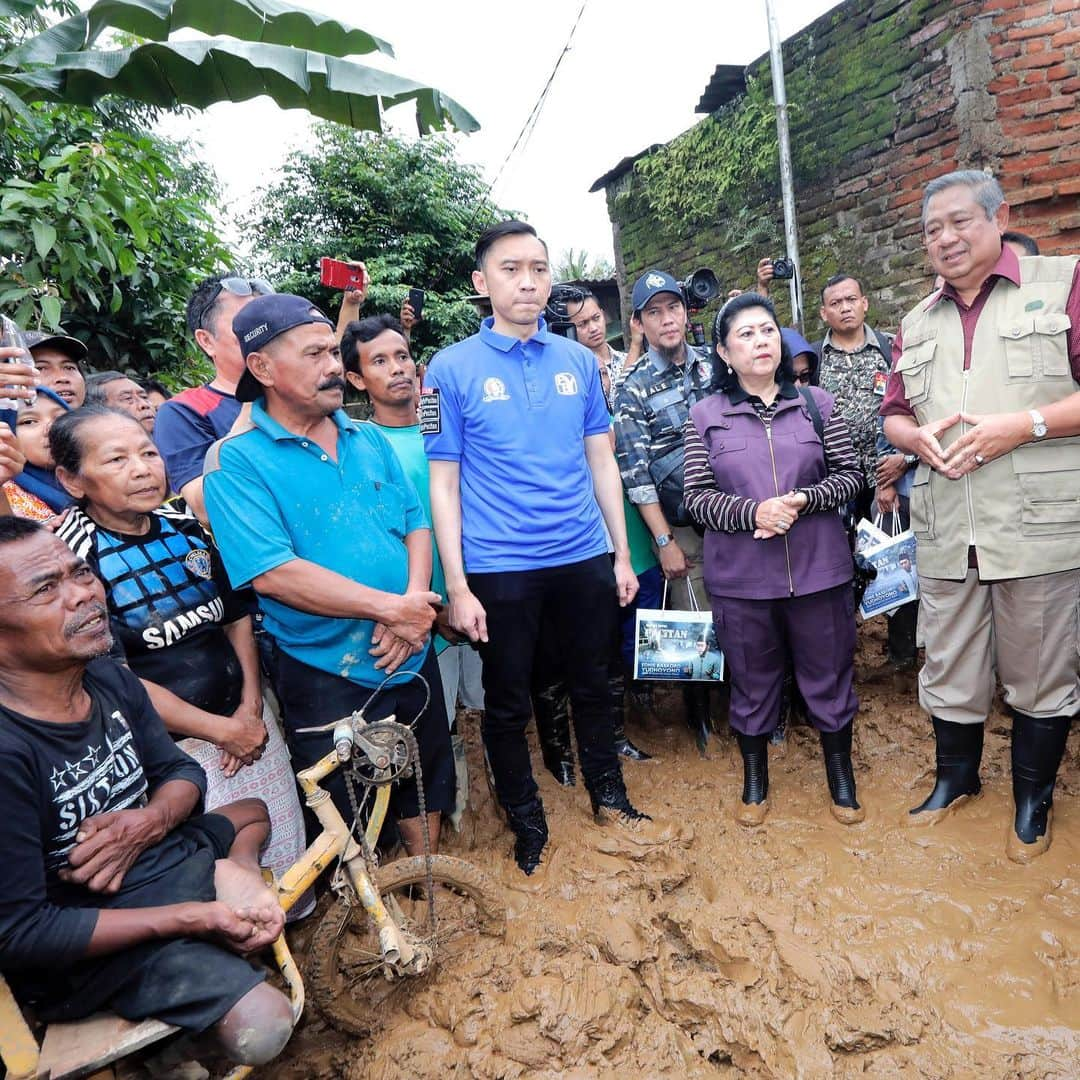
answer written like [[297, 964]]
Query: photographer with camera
[[590, 324], [768, 270], [651, 409]]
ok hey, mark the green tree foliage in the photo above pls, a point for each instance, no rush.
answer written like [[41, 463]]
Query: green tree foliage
[[574, 265], [105, 229], [50, 51], [408, 208]]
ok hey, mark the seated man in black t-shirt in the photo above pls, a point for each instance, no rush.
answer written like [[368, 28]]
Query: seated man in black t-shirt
[[117, 893]]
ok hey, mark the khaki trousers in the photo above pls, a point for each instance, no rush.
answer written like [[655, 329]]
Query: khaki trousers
[[693, 548], [1025, 628]]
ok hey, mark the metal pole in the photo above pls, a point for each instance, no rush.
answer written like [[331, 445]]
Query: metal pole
[[787, 184]]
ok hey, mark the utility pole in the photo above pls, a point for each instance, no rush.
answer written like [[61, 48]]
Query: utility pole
[[787, 183]]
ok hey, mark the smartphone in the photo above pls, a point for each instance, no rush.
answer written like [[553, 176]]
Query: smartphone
[[416, 302], [11, 338], [340, 275]]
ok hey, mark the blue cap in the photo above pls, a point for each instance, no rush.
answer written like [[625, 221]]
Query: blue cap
[[795, 342], [263, 319], [649, 284]]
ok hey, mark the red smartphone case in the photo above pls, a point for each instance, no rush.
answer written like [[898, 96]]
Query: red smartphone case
[[339, 275]]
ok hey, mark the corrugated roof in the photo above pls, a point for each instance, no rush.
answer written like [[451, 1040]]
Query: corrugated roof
[[624, 166], [728, 81]]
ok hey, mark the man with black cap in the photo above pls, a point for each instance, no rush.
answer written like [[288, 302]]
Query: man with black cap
[[651, 410], [316, 513], [59, 360]]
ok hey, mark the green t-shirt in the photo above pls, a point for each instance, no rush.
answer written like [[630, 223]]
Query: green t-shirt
[[638, 539], [408, 444]]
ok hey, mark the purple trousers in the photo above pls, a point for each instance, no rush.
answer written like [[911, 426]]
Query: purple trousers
[[816, 631]]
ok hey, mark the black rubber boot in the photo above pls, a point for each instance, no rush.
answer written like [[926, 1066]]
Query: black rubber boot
[[617, 698], [551, 707], [530, 830], [639, 696], [836, 746], [607, 793], [696, 704], [1037, 748], [755, 793], [959, 753], [903, 652]]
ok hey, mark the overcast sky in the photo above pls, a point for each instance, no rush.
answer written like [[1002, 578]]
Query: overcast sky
[[633, 77]]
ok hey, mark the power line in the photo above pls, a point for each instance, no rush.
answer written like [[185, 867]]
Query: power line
[[534, 115], [521, 141]]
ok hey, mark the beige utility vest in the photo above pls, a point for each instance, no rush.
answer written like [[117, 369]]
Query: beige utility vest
[[1021, 512]]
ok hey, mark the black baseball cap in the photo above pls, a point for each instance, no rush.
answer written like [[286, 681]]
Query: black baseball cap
[[263, 319], [62, 343]]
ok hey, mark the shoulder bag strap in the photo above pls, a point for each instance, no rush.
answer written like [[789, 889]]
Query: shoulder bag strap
[[815, 413]]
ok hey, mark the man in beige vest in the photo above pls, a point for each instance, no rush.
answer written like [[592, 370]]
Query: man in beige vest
[[986, 391]]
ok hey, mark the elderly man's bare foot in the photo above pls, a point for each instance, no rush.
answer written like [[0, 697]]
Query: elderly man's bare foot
[[243, 889]]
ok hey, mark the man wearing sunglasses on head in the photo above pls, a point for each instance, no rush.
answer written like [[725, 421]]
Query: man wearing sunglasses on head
[[188, 424]]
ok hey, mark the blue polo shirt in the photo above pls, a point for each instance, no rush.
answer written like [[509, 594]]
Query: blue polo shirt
[[273, 496], [515, 414]]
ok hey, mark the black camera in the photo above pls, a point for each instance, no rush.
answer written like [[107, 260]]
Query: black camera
[[783, 269], [699, 288], [564, 302]]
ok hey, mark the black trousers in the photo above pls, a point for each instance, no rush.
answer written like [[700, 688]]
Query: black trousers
[[310, 697], [575, 604]]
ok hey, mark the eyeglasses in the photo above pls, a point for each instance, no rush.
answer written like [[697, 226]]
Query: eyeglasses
[[236, 286], [802, 376]]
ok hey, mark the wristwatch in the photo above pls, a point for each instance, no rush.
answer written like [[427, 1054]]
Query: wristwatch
[[911, 460], [1038, 424], [664, 539]]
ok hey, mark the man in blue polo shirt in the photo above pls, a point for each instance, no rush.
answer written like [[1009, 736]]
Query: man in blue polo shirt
[[516, 432], [317, 515]]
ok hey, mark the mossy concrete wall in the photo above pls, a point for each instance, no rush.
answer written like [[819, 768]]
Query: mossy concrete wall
[[884, 95]]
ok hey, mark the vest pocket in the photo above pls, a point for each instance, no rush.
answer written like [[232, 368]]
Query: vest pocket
[[730, 468], [1049, 482], [916, 369], [922, 505], [1037, 347], [1051, 334]]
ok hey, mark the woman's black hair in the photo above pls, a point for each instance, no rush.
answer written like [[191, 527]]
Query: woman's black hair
[[724, 377], [65, 442]]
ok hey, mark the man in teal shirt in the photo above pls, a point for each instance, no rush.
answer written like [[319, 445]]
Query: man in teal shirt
[[316, 513]]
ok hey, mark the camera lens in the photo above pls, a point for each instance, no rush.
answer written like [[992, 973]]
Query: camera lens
[[783, 269]]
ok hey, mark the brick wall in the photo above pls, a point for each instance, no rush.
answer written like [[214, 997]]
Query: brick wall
[[885, 95]]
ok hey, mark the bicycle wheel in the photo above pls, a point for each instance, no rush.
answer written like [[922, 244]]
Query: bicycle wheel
[[346, 977]]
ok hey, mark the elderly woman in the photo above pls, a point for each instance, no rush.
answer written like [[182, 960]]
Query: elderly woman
[[35, 492], [767, 467], [175, 619]]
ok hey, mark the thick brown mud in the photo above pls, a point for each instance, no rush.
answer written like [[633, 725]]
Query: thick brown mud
[[805, 948]]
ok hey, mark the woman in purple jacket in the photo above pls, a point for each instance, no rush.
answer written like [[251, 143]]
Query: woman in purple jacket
[[767, 468]]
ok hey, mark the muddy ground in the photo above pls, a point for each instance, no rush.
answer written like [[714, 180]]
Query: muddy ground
[[802, 949]]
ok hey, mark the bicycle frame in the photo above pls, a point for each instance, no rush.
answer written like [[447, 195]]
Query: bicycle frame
[[336, 840]]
